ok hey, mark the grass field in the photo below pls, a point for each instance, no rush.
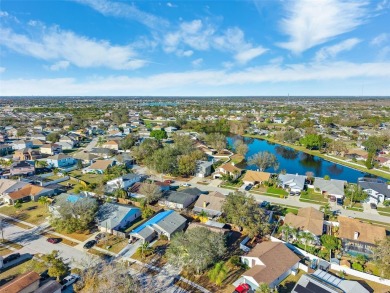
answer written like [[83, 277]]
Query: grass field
[[115, 243], [277, 190], [30, 265], [31, 212], [314, 196]]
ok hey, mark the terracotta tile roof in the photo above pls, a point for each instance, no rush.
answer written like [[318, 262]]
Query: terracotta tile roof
[[277, 260], [20, 283], [230, 168], [26, 191], [308, 219], [367, 233], [111, 142], [256, 176]]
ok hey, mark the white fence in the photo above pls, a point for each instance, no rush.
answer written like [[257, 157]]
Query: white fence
[[337, 267]]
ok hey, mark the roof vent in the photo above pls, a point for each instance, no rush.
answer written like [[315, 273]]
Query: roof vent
[[356, 235]]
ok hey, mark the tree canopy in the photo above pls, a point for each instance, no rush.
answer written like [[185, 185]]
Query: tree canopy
[[264, 160], [244, 211], [196, 249], [73, 216], [158, 134], [381, 255], [311, 141]]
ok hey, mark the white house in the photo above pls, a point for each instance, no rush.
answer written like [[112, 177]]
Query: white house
[[377, 190], [22, 144], [123, 182], [270, 263], [115, 217], [295, 183]]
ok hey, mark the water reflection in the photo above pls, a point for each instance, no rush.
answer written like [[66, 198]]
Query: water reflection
[[286, 153]]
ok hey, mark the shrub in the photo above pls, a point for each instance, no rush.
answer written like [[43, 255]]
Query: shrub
[[235, 260], [357, 266], [386, 203]]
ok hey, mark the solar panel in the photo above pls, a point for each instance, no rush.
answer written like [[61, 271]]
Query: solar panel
[[317, 289], [301, 289]]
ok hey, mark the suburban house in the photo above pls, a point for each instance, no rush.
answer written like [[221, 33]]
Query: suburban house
[[5, 149], [210, 225], [27, 192], [98, 167], [255, 177], [26, 154], [203, 168], [37, 143], [307, 220], [180, 199], [103, 152], [22, 144], [377, 190], [269, 262], [165, 223], [85, 158], [321, 281], [60, 160], [7, 186], [123, 182], [228, 169], [51, 149], [114, 217], [25, 283], [22, 168], [332, 188], [359, 237], [210, 203], [68, 140], [111, 144], [295, 183]]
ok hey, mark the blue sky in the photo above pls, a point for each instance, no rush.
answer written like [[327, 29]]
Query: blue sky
[[273, 47]]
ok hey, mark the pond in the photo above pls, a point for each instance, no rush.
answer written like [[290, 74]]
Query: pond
[[294, 161]]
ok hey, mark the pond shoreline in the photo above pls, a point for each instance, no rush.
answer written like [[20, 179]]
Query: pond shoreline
[[322, 156]]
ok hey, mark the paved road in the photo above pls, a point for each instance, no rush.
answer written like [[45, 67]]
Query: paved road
[[34, 243], [91, 145], [291, 200]]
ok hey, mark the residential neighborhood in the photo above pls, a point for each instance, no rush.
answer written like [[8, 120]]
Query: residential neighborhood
[[150, 194]]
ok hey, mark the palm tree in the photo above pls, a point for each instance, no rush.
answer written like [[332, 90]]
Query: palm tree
[[44, 200], [286, 230], [307, 237], [145, 249], [263, 288], [326, 210]]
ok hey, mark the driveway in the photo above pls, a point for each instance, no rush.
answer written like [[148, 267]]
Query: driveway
[[34, 243], [92, 144]]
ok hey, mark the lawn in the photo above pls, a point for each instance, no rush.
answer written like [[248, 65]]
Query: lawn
[[4, 250], [89, 178], [314, 196], [78, 236], [115, 244], [10, 243], [288, 284], [31, 212], [384, 211], [276, 190], [30, 265]]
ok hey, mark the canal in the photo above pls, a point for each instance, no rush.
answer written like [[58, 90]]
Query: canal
[[294, 161]]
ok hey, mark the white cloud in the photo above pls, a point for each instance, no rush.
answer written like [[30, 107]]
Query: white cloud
[[380, 39], [56, 44], [197, 62], [383, 5], [59, 65], [202, 36], [187, 53], [201, 80], [245, 56], [120, 9], [309, 23], [171, 5], [2, 69], [332, 51]]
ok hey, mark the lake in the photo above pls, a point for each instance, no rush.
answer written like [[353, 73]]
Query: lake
[[294, 161]]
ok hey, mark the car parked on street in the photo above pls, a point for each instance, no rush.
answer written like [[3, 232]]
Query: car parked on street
[[11, 257], [89, 244], [185, 184], [54, 240], [264, 204], [69, 280]]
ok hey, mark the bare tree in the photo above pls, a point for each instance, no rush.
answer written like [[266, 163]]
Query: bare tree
[[264, 160], [151, 191]]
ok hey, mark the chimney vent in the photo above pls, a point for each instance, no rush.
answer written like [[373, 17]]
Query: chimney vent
[[204, 204], [356, 235]]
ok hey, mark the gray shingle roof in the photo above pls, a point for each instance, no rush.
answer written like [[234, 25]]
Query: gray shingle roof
[[335, 187], [171, 223], [379, 187]]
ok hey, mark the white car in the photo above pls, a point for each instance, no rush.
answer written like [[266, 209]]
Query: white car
[[69, 280], [185, 184]]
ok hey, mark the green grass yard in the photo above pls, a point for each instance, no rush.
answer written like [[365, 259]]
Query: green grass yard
[[31, 212], [276, 190]]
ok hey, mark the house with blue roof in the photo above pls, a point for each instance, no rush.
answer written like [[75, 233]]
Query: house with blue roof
[[165, 223], [115, 217]]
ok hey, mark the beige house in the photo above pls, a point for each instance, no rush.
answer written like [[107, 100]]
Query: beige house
[[228, 169], [51, 149], [111, 144], [255, 177]]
